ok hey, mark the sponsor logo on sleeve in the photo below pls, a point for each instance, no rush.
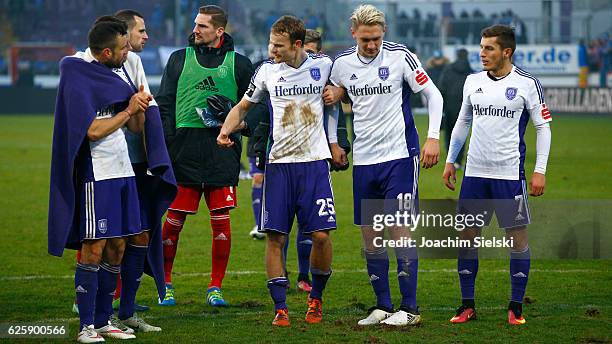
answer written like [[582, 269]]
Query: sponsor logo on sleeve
[[421, 77], [251, 89], [545, 112]]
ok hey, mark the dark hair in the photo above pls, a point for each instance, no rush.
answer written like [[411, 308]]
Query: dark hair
[[218, 17], [313, 36], [291, 26], [505, 36], [104, 33], [127, 16], [107, 18], [462, 54]]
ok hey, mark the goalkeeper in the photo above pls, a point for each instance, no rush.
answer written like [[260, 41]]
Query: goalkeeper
[[199, 85]]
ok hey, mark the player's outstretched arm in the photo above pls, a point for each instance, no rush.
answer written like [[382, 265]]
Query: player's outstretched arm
[[233, 122], [333, 94]]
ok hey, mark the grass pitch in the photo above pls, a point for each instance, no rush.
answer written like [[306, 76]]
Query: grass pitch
[[568, 300]]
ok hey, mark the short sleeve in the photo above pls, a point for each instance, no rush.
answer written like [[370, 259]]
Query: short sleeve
[[257, 87], [335, 75]]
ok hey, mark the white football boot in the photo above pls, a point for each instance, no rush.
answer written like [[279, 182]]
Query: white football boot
[[375, 317], [111, 331], [403, 317], [89, 335]]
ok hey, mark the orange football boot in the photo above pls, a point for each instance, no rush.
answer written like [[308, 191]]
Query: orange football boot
[[282, 318], [314, 314]]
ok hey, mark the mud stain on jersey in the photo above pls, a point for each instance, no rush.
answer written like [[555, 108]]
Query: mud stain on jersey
[[308, 116], [294, 144], [289, 119]]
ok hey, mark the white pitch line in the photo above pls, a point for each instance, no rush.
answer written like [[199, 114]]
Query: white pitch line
[[252, 272]]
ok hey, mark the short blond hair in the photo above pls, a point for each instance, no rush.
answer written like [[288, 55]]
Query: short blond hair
[[367, 15]]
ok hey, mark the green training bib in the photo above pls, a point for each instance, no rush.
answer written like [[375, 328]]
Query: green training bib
[[197, 83]]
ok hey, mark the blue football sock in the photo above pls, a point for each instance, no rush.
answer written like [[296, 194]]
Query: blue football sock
[[520, 263], [319, 280], [278, 291], [304, 246], [86, 287], [467, 268], [407, 274], [256, 193], [132, 269], [107, 283], [378, 270]]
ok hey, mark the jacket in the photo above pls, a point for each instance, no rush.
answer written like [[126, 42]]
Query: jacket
[[451, 86]]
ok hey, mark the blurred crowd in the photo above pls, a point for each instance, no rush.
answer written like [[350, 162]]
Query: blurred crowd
[[596, 56], [598, 52], [261, 23], [463, 29], [68, 21]]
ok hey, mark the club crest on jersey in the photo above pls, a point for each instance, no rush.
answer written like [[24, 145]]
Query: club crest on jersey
[[222, 71], [383, 73], [315, 73], [511, 92]]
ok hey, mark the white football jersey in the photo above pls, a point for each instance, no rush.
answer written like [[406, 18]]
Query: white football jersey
[[500, 110], [379, 90], [135, 71], [296, 108], [109, 155]]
